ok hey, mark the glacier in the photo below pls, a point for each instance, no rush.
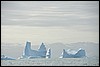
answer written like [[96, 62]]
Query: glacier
[[73, 54]]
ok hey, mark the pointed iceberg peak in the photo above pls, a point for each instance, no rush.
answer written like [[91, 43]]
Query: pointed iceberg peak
[[63, 50], [27, 49], [42, 44], [80, 49], [42, 50], [28, 44], [42, 47]]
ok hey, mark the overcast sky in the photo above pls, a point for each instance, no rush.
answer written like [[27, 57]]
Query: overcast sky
[[49, 21]]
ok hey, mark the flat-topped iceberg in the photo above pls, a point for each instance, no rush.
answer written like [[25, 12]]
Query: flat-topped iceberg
[[73, 54]]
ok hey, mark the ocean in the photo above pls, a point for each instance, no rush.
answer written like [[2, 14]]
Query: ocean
[[91, 61]]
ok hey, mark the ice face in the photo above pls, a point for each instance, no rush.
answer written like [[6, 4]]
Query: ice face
[[48, 54], [27, 49], [79, 54], [42, 50], [42, 47], [29, 53]]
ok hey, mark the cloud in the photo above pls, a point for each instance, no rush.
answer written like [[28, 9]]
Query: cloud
[[50, 21], [48, 13]]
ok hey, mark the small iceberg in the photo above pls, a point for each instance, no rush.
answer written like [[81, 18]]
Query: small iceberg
[[3, 57]]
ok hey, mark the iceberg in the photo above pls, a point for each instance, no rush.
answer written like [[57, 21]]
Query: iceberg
[[3, 57], [74, 54], [28, 53], [48, 54], [81, 53], [42, 50]]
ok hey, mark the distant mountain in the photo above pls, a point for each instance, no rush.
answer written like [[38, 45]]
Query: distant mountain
[[56, 49], [11, 44]]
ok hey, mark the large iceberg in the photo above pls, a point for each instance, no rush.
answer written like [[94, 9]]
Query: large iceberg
[[29, 53], [73, 54]]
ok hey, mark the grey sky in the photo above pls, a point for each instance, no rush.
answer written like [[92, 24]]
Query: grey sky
[[44, 13], [82, 16]]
